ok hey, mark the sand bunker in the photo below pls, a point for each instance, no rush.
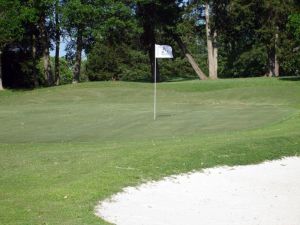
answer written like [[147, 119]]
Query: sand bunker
[[264, 194]]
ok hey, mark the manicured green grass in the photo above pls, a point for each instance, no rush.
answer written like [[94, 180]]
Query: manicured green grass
[[63, 149]]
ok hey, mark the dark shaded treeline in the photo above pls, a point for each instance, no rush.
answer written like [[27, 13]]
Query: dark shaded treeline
[[226, 38]]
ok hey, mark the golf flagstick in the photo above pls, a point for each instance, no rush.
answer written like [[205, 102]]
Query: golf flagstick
[[163, 52], [154, 107]]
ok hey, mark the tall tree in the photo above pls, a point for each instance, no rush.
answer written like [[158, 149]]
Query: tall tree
[[34, 57], [31, 37], [44, 9], [272, 18], [163, 16], [10, 26], [148, 16], [243, 36], [212, 48], [189, 57], [294, 26], [78, 18], [203, 12], [57, 41], [116, 43]]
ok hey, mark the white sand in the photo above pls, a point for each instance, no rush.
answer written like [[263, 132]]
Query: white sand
[[265, 194]]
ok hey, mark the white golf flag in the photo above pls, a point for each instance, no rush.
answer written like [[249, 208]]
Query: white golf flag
[[163, 51]]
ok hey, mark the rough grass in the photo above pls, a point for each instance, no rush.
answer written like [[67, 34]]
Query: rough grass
[[63, 149]]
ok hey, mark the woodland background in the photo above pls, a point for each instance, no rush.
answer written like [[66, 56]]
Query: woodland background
[[211, 39]]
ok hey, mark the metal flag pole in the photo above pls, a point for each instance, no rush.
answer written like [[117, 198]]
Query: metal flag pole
[[154, 107], [160, 52]]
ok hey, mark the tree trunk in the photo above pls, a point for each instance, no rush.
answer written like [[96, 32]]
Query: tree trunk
[[77, 66], [57, 45], [1, 86], [33, 52], [276, 59], [152, 62], [148, 40], [46, 53], [212, 49], [273, 64], [215, 56], [276, 66], [47, 67], [189, 57]]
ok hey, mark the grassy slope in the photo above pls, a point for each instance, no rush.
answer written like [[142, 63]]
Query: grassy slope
[[62, 149]]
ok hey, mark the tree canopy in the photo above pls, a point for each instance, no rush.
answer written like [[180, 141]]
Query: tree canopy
[[219, 38]]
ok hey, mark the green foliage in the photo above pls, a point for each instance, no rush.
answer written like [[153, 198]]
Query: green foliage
[[291, 64], [135, 67], [118, 37], [10, 22], [123, 62], [83, 75], [77, 13], [247, 33], [118, 24], [66, 75], [116, 63], [294, 25], [103, 63], [176, 69], [248, 62]]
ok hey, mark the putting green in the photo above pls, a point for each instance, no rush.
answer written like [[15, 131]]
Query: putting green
[[124, 111]]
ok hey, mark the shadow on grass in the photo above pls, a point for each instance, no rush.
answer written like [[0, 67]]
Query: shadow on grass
[[294, 78], [164, 115], [149, 81]]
